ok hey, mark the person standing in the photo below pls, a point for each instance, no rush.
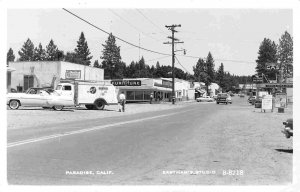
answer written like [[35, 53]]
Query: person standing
[[151, 98], [122, 101]]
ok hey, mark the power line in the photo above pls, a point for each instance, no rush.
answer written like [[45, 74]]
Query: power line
[[145, 49], [114, 36], [151, 22], [181, 65], [133, 25], [157, 58], [237, 61]]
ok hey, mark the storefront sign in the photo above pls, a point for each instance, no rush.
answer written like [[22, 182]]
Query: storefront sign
[[266, 102], [73, 74], [280, 100], [283, 85], [126, 82]]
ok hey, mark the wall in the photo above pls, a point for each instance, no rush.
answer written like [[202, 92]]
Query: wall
[[44, 71], [87, 73]]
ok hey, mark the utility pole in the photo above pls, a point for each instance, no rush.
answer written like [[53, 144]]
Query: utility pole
[[174, 40]]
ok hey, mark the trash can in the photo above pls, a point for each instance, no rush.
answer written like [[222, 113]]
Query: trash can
[[280, 110]]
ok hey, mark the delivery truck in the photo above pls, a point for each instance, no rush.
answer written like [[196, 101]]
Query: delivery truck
[[91, 94]]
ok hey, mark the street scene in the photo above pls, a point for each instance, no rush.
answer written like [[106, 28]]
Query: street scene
[[149, 97], [189, 143]]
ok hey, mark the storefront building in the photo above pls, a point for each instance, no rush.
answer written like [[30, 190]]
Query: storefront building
[[139, 89], [49, 73]]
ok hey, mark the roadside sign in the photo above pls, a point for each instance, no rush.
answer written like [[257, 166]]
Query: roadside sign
[[266, 102], [280, 100], [257, 79]]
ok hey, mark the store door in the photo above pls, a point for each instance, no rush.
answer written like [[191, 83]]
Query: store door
[[28, 81]]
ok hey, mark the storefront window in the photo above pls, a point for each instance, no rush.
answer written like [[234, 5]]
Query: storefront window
[[147, 95], [129, 95], [139, 95]]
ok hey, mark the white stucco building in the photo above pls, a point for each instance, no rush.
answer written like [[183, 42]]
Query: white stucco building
[[46, 73]]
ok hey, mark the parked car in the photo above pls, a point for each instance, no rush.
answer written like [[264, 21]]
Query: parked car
[[251, 99], [288, 128], [224, 98], [215, 97], [205, 99], [241, 95], [257, 102], [38, 97]]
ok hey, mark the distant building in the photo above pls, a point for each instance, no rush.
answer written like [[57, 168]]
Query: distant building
[[48, 73]]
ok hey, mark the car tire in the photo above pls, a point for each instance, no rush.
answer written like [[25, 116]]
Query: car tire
[[217, 102], [14, 104], [226, 103], [58, 107], [99, 104]]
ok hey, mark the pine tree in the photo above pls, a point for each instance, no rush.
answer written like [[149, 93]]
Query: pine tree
[[10, 56], [285, 54], [27, 51], [267, 54], [52, 52], [210, 68], [220, 76], [111, 57], [82, 51], [96, 64], [200, 71], [39, 53]]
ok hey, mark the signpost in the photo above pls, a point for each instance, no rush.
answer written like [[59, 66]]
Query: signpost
[[267, 103], [256, 79], [280, 100]]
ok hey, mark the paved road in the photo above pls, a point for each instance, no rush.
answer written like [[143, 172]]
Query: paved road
[[195, 144]]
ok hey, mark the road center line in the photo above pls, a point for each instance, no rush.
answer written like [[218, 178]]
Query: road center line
[[18, 143]]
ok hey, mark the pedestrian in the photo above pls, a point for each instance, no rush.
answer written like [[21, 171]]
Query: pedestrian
[[151, 98], [122, 101]]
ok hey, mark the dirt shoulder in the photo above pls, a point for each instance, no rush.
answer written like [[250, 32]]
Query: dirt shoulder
[[36, 116]]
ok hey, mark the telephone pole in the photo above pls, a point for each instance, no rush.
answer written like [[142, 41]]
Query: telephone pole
[[174, 40]]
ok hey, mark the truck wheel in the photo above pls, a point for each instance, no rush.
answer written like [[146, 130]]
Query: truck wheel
[[58, 107], [90, 107], [14, 104], [99, 104]]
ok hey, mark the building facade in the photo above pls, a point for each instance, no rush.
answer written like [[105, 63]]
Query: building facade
[[139, 89], [49, 73]]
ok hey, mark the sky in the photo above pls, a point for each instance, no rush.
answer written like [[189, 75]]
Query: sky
[[232, 36]]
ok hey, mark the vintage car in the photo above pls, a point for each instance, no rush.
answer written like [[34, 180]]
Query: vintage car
[[204, 99], [257, 102], [38, 97], [224, 98], [252, 99], [288, 128]]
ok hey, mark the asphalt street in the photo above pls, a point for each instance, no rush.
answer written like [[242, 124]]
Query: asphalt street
[[200, 143]]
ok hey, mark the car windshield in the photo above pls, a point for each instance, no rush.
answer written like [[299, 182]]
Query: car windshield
[[222, 94], [58, 87], [55, 93]]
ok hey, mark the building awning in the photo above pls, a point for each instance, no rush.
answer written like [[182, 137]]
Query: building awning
[[145, 88], [200, 91], [10, 69]]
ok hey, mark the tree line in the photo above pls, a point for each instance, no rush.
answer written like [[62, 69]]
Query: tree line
[[204, 70]]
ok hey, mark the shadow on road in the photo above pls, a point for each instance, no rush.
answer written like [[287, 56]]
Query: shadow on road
[[285, 150]]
